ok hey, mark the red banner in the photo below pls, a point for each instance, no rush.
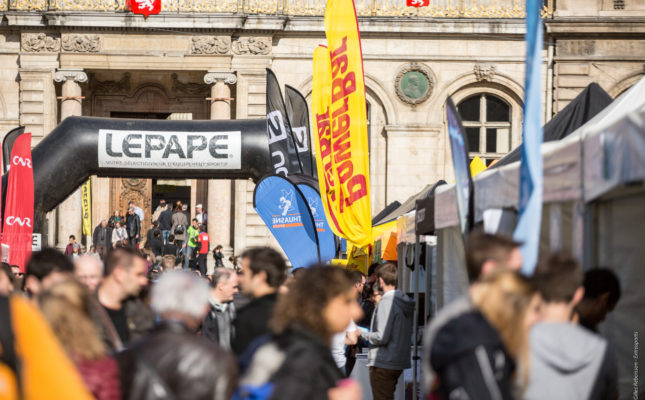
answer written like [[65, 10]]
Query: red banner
[[19, 208], [145, 7], [417, 3]]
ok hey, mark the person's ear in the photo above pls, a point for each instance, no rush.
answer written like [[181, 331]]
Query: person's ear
[[262, 276], [578, 295], [32, 285], [487, 267], [119, 273]]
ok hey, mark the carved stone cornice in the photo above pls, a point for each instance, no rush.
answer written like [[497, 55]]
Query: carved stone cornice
[[77, 75], [75, 43], [210, 45], [252, 45], [120, 86], [213, 77], [40, 43], [188, 88], [484, 72]]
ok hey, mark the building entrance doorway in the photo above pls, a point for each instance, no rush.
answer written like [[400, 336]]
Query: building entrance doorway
[[171, 190]]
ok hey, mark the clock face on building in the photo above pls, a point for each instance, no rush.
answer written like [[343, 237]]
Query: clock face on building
[[414, 85]]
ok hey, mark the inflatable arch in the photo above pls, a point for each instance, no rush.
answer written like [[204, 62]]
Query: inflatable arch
[[132, 148]]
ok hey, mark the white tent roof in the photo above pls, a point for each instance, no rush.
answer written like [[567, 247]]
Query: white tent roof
[[609, 151], [613, 153], [614, 147]]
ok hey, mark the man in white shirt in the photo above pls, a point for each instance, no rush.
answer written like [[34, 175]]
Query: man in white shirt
[[338, 343]]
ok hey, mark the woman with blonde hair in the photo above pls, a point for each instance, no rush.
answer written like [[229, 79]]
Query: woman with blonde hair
[[66, 306], [478, 353]]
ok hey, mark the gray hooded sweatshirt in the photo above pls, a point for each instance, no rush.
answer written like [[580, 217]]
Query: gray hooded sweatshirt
[[569, 363], [390, 332]]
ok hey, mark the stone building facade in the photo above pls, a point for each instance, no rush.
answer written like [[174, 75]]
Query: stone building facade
[[206, 59]]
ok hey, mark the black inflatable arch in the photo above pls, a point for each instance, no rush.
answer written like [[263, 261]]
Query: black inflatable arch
[[64, 159]]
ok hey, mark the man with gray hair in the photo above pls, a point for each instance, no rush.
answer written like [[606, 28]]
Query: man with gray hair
[[172, 362], [102, 238], [218, 323]]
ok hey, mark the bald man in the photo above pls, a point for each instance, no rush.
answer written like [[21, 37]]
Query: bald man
[[89, 270]]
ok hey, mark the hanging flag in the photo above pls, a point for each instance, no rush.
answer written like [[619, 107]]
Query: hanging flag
[[298, 115], [145, 7], [463, 179], [284, 210], [342, 152], [19, 208], [87, 208], [308, 185], [282, 148], [417, 3], [530, 199]]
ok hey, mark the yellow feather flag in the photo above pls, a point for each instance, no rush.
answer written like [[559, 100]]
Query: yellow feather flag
[[340, 116], [477, 166]]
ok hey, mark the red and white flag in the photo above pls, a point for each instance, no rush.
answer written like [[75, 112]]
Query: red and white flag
[[417, 3], [19, 208], [145, 7]]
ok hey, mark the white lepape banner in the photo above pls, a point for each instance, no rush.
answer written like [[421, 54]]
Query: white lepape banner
[[177, 150]]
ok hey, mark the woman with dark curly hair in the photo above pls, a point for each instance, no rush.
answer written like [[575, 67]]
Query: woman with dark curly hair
[[296, 362]]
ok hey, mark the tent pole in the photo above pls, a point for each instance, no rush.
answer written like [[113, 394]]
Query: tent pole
[[415, 321]]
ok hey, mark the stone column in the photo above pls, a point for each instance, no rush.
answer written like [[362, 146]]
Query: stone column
[[219, 191], [70, 220]]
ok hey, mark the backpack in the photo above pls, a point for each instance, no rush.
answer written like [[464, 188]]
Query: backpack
[[180, 229], [250, 391], [471, 360]]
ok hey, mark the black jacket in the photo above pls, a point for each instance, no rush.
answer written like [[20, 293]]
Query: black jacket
[[252, 322], [471, 361], [172, 359], [102, 236], [165, 220], [217, 326], [156, 245], [169, 249], [219, 258], [300, 366], [133, 226]]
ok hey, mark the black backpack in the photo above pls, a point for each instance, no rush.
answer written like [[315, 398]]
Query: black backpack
[[471, 360]]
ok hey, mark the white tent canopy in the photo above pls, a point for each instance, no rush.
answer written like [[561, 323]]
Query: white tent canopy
[[611, 143]]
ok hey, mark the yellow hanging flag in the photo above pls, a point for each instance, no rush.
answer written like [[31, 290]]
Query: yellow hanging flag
[[340, 118], [87, 208]]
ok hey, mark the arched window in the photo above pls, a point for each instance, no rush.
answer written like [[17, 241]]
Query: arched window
[[487, 121]]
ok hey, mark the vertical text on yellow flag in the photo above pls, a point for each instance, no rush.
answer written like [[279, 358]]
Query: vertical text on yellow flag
[[345, 158], [320, 101], [87, 208]]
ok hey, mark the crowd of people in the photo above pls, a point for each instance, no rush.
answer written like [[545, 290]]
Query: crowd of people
[[170, 235], [118, 327]]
